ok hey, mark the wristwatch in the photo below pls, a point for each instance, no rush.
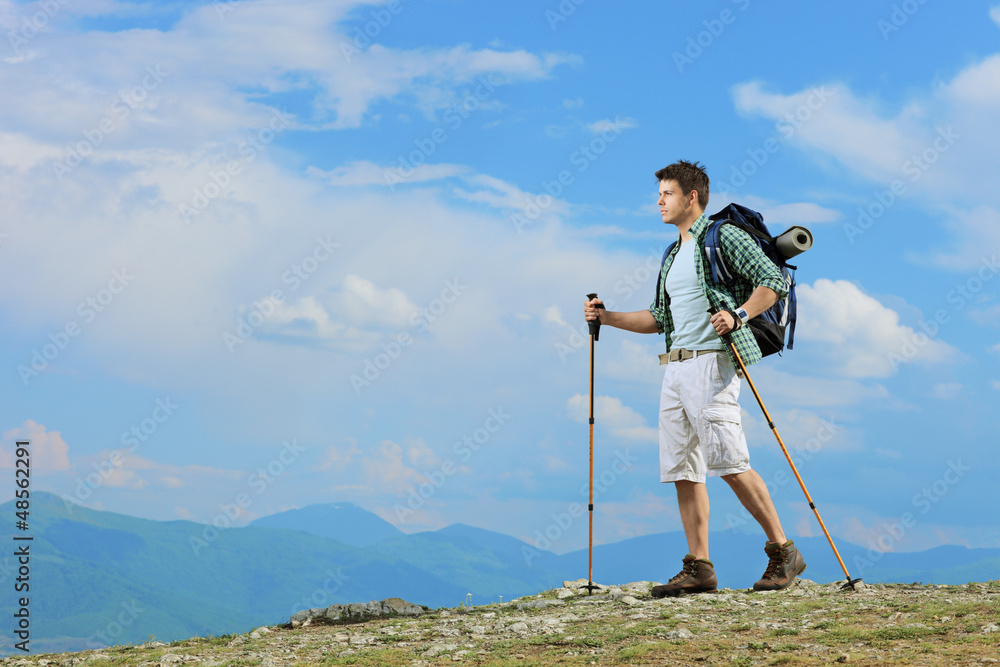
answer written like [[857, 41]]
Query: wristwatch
[[743, 315]]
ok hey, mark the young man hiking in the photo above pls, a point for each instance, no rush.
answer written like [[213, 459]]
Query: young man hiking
[[700, 430]]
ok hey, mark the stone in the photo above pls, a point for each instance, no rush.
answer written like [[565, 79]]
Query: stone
[[639, 587], [356, 612], [437, 649], [540, 604], [581, 585], [680, 633]]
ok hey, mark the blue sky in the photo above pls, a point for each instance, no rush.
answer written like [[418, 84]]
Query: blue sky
[[274, 254]]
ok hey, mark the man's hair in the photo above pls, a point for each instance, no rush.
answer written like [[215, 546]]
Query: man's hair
[[689, 176]]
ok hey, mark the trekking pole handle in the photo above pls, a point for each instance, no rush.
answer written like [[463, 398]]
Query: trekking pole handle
[[594, 325]]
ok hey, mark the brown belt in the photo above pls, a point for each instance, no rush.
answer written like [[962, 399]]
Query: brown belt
[[681, 354]]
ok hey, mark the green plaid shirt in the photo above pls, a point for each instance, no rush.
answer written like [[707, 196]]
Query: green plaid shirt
[[744, 258]]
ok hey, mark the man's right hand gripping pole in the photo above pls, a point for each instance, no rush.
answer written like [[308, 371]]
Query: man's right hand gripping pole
[[590, 314]]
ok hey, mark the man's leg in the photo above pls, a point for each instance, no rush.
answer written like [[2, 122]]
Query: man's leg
[[752, 492], [692, 499], [682, 463], [784, 560]]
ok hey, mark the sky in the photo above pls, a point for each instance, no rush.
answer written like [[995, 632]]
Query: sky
[[260, 255]]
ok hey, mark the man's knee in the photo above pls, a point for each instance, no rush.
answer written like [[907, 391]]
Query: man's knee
[[739, 477]]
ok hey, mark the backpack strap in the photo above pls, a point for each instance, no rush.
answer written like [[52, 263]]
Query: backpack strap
[[716, 257], [659, 276]]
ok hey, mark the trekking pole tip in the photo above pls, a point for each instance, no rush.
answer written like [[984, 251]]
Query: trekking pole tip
[[850, 584]]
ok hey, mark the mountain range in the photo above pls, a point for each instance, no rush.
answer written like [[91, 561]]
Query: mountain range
[[100, 578]]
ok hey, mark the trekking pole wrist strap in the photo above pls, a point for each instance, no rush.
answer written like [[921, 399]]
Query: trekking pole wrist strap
[[737, 322]]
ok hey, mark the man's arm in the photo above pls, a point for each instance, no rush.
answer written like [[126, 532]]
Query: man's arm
[[640, 321], [760, 300]]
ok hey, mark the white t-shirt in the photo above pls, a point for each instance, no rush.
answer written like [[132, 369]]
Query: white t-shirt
[[688, 304]]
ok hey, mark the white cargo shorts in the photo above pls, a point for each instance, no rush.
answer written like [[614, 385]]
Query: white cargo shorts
[[700, 429]]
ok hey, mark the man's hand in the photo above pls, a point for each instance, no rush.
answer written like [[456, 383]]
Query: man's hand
[[592, 310], [723, 322]]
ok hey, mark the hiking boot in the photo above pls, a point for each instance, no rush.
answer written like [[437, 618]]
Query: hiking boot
[[697, 576], [784, 564]]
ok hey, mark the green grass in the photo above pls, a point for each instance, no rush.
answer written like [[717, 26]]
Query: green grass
[[784, 632]]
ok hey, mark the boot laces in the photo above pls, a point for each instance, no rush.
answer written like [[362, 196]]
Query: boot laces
[[776, 559], [689, 570]]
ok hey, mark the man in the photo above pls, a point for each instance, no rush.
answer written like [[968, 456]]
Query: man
[[700, 430]]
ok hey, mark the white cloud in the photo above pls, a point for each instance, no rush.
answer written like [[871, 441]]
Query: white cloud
[[217, 74], [610, 413], [608, 125], [365, 303], [947, 391], [553, 315], [938, 147], [813, 391], [354, 315], [838, 123], [793, 213], [500, 194], [635, 362], [972, 235], [979, 85], [48, 451], [362, 173], [859, 336]]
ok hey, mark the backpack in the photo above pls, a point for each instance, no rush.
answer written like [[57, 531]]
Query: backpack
[[770, 326]]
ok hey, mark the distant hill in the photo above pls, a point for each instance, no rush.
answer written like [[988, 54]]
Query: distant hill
[[101, 578], [344, 522]]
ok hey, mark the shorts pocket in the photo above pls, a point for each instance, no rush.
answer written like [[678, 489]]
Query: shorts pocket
[[722, 437]]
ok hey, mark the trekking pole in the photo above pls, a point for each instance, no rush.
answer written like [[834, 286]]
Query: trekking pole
[[743, 369], [595, 332]]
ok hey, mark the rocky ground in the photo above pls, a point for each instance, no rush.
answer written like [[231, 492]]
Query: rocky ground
[[808, 624]]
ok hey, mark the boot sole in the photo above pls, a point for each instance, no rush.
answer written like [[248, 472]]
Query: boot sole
[[684, 591], [787, 583]]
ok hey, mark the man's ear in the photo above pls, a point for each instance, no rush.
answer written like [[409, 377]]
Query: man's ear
[[693, 199]]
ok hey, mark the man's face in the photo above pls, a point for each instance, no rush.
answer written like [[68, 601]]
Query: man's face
[[674, 206]]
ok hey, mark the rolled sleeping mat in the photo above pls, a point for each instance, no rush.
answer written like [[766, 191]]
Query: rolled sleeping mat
[[793, 241]]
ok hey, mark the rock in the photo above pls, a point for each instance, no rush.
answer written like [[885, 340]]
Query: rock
[[540, 604], [680, 633], [519, 628], [356, 612], [990, 628], [563, 593], [639, 587], [581, 585], [437, 649], [629, 600]]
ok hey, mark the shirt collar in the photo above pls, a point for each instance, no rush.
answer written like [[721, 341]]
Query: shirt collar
[[699, 226]]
